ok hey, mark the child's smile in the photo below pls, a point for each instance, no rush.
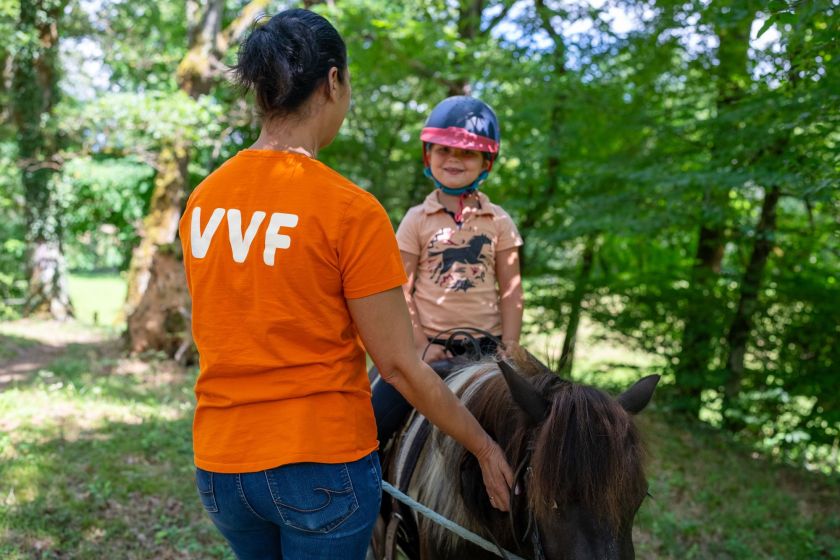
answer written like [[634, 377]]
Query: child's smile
[[454, 167]]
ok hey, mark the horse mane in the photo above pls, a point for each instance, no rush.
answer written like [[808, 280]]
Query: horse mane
[[587, 452]]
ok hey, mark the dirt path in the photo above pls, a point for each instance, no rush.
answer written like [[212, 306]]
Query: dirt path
[[27, 346]]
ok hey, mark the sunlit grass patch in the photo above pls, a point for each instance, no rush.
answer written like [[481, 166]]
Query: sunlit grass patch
[[598, 361], [98, 298], [31, 332]]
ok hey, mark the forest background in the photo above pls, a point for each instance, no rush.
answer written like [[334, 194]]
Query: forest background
[[672, 165]]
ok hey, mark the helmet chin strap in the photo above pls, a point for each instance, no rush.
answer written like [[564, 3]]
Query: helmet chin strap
[[455, 192]]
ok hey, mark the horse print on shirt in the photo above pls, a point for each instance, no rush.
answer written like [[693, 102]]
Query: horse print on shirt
[[459, 266]]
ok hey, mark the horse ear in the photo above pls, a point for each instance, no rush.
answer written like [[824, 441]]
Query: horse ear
[[524, 394], [637, 397]]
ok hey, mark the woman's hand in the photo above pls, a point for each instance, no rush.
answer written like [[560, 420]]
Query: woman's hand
[[497, 474]]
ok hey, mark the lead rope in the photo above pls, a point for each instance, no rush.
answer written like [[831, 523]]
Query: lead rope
[[451, 525]]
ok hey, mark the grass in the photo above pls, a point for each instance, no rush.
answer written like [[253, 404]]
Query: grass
[[11, 345], [96, 462], [716, 498], [98, 298]]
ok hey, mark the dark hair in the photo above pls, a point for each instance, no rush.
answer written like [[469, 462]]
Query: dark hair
[[285, 59]]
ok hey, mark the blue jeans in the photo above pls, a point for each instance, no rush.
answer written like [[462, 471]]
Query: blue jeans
[[303, 511]]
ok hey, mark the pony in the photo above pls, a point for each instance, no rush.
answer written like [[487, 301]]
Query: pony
[[578, 461]]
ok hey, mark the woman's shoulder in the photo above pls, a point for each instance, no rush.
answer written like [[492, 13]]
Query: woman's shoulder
[[332, 180], [327, 176]]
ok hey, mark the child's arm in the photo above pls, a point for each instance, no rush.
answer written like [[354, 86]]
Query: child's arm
[[510, 295], [435, 352]]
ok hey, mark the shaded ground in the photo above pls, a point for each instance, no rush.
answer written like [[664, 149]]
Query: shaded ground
[[95, 450], [27, 346], [96, 462]]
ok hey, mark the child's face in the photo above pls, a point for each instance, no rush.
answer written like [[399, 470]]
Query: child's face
[[455, 168]]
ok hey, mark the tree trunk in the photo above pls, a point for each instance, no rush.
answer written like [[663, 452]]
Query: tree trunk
[[542, 198], [34, 94], [700, 327], [161, 321], [567, 356], [7, 68], [469, 27], [159, 232], [742, 323], [155, 307]]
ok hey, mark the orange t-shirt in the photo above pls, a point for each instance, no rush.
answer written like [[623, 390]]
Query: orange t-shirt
[[274, 243]]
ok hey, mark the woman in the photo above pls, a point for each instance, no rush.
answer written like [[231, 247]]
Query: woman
[[289, 264]]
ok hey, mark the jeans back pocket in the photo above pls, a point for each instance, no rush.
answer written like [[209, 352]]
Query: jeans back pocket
[[204, 484], [313, 497]]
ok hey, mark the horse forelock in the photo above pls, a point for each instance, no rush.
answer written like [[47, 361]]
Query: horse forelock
[[587, 453]]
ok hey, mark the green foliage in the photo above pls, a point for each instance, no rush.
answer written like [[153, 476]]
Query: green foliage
[[139, 124], [109, 181], [628, 140], [12, 233], [141, 60], [644, 145], [109, 197]]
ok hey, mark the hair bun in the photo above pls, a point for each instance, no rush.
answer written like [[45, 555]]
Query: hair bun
[[285, 58]]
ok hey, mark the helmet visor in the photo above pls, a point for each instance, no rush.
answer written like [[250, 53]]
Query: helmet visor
[[456, 137]]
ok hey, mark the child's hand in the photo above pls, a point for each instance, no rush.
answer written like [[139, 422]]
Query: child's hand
[[509, 349], [434, 353]]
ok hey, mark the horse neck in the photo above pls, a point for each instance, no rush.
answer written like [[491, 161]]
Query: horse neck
[[436, 477]]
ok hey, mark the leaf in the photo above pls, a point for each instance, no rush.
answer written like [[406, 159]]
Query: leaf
[[767, 25]]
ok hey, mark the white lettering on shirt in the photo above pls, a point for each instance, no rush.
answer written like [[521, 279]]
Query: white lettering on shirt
[[241, 244], [273, 239], [200, 242]]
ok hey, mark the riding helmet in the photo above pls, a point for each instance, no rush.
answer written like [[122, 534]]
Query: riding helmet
[[462, 122]]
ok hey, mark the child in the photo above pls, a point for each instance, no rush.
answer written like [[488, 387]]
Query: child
[[459, 250]]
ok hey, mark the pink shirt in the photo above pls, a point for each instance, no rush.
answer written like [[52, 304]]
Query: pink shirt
[[455, 284]]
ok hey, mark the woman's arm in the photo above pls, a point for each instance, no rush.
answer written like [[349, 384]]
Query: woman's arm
[[435, 351], [384, 325], [510, 295]]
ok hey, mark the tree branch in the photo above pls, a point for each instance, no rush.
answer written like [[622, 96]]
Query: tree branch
[[546, 14], [233, 33], [496, 20]]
